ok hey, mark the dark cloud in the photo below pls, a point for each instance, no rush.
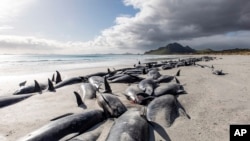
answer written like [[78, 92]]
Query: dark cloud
[[162, 21]]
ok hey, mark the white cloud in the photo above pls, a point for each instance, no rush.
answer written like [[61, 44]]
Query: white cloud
[[6, 27], [10, 9], [29, 44]]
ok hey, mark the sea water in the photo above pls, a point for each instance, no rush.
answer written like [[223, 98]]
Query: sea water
[[13, 64]]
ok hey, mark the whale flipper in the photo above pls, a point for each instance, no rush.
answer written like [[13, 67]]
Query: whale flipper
[[22, 83], [61, 116]]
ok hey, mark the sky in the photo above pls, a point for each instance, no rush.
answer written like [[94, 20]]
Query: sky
[[121, 26]]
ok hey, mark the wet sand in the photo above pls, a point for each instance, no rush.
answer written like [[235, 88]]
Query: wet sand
[[213, 102]]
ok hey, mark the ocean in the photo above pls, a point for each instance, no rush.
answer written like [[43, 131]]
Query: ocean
[[20, 64]]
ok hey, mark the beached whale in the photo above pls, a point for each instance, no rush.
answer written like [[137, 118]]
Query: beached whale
[[102, 74], [167, 108], [167, 78], [131, 93], [12, 99], [147, 85], [127, 78], [35, 88], [57, 129], [111, 104], [115, 76], [136, 95], [154, 74], [129, 127], [25, 92], [96, 81], [92, 134], [167, 66], [88, 91], [169, 88], [30, 89], [70, 81], [141, 70]]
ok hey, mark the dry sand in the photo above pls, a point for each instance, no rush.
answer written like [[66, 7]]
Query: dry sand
[[213, 102]]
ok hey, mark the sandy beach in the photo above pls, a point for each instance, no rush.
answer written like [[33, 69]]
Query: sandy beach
[[213, 102]]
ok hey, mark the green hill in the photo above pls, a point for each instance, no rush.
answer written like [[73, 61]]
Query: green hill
[[173, 48]]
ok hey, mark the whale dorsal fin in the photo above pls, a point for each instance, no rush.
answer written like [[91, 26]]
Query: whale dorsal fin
[[51, 86], [107, 86], [178, 72], [37, 87], [144, 71], [109, 71], [78, 99], [58, 77], [53, 77]]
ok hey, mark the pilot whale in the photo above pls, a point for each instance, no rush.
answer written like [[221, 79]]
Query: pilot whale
[[129, 127], [57, 129]]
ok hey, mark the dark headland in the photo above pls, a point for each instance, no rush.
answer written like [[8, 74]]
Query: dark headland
[[176, 48]]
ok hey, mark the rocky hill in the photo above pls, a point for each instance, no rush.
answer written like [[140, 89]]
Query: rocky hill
[[173, 48]]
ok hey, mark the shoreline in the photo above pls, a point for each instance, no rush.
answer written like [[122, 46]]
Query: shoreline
[[213, 102]]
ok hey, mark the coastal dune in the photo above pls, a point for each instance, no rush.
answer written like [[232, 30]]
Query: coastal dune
[[213, 102]]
